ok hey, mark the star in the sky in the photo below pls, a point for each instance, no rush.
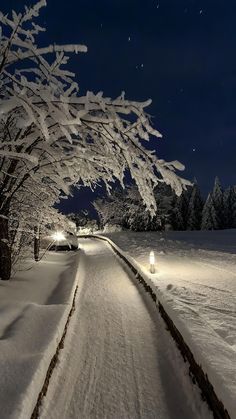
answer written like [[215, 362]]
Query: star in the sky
[[139, 66], [129, 39]]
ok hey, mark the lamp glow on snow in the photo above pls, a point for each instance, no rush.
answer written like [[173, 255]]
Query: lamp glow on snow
[[58, 236], [152, 262]]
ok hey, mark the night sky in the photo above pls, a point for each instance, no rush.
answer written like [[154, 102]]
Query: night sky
[[181, 53]]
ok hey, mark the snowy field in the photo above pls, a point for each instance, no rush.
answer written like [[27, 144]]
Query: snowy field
[[34, 308], [196, 281]]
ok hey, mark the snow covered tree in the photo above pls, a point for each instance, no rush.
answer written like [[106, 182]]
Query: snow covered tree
[[195, 209], [113, 208], [164, 199], [80, 218], [217, 199], [30, 217], [57, 138], [180, 212], [209, 217], [83, 221], [229, 207], [125, 208], [137, 218], [177, 220]]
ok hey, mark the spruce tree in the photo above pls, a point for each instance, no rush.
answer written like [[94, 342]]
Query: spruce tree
[[217, 199], [209, 218], [195, 209], [177, 220], [227, 207], [180, 206]]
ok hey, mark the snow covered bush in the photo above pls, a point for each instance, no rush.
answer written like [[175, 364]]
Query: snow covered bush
[[84, 223], [112, 228], [53, 137], [90, 227]]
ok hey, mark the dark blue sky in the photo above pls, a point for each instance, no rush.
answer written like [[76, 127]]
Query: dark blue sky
[[181, 53]]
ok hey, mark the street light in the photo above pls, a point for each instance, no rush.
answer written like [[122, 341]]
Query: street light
[[152, 262]]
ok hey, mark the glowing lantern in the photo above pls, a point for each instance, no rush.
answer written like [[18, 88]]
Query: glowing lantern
[[152, 262]]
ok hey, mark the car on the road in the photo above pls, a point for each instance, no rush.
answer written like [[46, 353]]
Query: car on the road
[[63, 241]]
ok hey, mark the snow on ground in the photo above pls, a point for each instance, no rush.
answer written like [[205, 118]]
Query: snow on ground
[[118, 360], [34, 306], [196, 281]]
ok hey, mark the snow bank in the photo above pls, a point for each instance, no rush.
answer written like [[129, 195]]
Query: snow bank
[[34, 309], [214, 350]]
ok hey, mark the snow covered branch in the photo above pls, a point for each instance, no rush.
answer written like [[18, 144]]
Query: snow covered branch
[[51, 137]]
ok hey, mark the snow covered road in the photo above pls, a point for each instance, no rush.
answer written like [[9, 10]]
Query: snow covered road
[[118, 360]]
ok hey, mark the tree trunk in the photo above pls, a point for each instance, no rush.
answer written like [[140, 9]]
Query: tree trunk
[[5, 251], [36, 243]]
